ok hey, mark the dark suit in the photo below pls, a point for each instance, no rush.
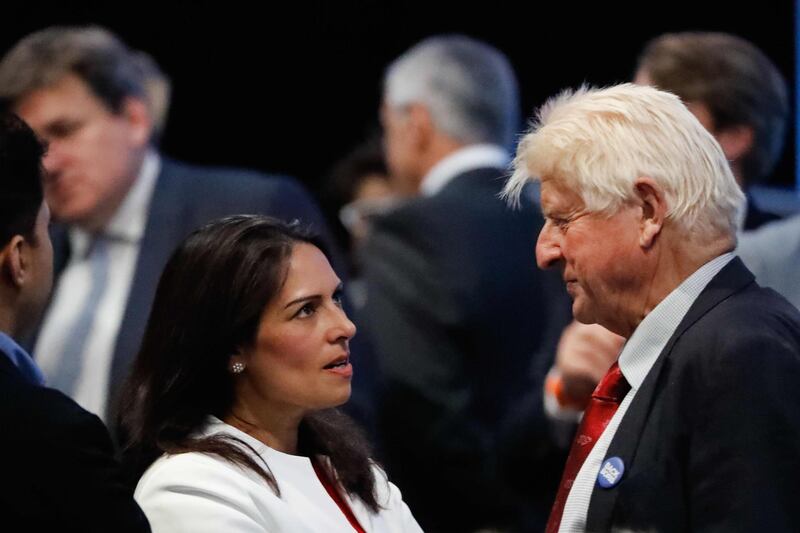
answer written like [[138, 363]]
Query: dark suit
[[184, 198], [58, 470], [457, 312], [711, 441]]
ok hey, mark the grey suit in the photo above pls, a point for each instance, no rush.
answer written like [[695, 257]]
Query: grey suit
[[457, 312], [772, 253]]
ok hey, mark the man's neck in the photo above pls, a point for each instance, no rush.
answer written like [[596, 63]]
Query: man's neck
[[100, 220], [674, 265], [441, 147], [7, 324]]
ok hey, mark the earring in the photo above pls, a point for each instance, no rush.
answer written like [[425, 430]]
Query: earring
[[237, 368]]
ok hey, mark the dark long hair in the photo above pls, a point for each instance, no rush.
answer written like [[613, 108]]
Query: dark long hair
[[209, 304]]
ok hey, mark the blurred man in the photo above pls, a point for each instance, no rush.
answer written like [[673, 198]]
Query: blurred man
[[120, 207], [736, 92], [58, 473], [695, 427], [455, 310], [772, 252]]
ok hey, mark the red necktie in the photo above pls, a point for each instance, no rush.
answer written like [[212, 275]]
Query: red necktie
[[602, 406]]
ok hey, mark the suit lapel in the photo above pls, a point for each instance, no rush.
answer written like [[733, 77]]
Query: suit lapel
[[163, 231], [731, 279]]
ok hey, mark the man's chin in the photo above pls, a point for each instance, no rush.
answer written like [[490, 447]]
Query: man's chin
[[581, 314]]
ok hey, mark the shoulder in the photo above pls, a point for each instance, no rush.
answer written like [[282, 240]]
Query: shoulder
[[222, 178], [216, 184], [34, 412], [755, 328], [470, 209], [199, 472], [198, 493], [771, 240], [203, 193]]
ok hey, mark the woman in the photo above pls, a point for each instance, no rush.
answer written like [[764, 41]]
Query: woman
[[229, 404]]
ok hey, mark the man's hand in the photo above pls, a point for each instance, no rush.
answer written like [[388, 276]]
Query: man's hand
[[584, 355]]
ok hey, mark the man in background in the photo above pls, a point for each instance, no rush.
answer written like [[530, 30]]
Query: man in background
[[455, 310], [59, 473], [120, 208], [736, 92]]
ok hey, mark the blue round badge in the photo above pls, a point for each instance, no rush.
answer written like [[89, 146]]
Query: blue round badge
[[611, 472]]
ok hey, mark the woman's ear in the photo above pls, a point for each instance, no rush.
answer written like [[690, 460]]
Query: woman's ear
[[238, 362]]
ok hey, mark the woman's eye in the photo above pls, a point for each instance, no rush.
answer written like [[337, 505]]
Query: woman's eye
[[306, 310], [337, 298]]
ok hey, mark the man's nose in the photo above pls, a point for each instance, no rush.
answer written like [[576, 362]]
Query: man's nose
[[548, 249], [54, 158]]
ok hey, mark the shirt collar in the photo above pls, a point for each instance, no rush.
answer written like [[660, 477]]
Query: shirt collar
[[464, 159], [653, 333], [128, 223], [20, 359]]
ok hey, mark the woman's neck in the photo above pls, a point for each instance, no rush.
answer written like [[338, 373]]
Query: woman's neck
[[278, 431]]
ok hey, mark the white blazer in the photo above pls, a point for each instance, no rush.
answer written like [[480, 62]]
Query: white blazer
[[198, 493]]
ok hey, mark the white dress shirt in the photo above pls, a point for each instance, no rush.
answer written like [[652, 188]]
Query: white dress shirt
[[470, 157], [124, 231], [636, 359], [199, 493]]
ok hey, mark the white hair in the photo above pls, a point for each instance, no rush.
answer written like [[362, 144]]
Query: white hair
[[468, 87], [598, 141]]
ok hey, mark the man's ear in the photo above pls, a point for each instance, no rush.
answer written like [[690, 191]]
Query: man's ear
[[735, 141], [421, 124], [13, 262], [651, 198], [137, 114]]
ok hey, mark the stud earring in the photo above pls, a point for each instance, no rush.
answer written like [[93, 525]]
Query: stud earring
[[237, 367]]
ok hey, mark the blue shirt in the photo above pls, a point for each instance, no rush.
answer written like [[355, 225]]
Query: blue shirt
[[20, 359]]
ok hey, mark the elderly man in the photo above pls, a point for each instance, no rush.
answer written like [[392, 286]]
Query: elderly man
[[454, 309], [739, 95], [696, 425], [120, 207], [59, 473]]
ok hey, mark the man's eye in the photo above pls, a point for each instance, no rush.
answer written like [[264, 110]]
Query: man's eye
[[62, 129]]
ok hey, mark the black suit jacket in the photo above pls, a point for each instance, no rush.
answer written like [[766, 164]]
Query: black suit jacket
[[457, 313], [186, 197], [711, 441], [58, 470]]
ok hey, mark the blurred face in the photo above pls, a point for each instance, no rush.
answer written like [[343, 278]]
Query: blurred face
[[93, 154], [300, 360], [698, 109], [597, 256], [399, 146], [39, 254]]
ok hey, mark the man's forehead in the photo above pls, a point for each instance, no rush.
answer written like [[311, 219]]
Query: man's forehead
[[558, 195], [60, 97]]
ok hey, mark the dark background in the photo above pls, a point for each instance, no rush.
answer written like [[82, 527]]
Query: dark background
[[291, 87]]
